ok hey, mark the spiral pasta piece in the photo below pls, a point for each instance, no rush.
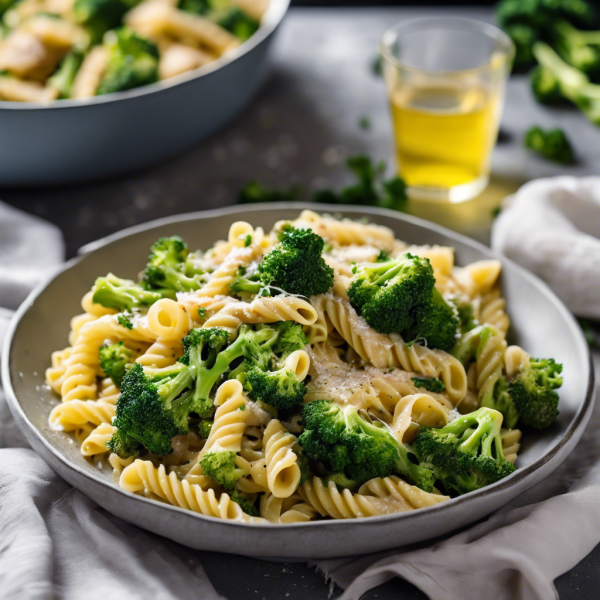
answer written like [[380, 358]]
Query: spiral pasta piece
[[96, 442], [391, 494], [492, 311], [143, 477], [109, 392], [230, 419], [414, 411], [328, 501], [162, 353], [79, 381], [387, 351], [515, 359], [283, 472], [168, 320], [511, 443], [490, 362], [56, 373], [69, 416], [299, 363], [264, 310]]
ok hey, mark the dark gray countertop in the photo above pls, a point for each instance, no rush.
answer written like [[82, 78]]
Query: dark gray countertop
[[300, 128]]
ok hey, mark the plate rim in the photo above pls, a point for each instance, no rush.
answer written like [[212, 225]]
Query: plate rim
[[579, 420]]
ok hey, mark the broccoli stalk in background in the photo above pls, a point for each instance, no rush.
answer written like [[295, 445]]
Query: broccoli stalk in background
[[400, 296], [113, 360], [152, 411], [345, 442], [466, 454], [132, 62], [122, 294], [98, 16], [171, 267], [225, 14], [581, 49], [256, 192], [295, 266], [552, 144], [64, 76]]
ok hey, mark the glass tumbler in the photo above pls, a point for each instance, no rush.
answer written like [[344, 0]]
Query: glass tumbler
[[446, 80]]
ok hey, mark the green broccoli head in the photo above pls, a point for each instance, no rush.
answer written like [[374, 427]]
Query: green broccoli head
[[400, 296], [552, 144], [436, 323], [390, 295], [153, 411], [245, 503], [280, 389], [204, 428], [123, 445], [220, 467], [528, 21], [290, 338], [168, 267], [345, 442], [533, 392], [113, 360], [132, 62], [295, 266], [98, 16], [122, 294], [467, 453], [466, 315]]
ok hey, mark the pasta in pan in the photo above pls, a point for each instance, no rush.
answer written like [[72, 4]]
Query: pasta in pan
[[79, 48], [323, 370]]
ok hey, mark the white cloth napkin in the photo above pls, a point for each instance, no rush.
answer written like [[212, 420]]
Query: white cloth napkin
[[552, 227], [55, 543]]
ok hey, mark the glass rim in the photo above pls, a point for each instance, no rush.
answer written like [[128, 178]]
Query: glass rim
[[491, 31]]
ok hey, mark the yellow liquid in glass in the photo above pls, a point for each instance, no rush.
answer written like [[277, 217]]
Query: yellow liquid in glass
[[444, 134]]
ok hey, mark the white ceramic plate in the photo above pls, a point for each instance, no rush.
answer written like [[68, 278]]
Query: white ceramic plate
[[540, 323]]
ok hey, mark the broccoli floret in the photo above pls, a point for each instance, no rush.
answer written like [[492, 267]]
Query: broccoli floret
[[528, 21], [220, 467], [345, 442], [552, 144], [370, 189], [280, 389], [341, 481], [295, 266], [64, 76], [466, 454], [532, 390], [98, 16], [222, 12], [124, 320], [290, 338], [123, 445], [208, 358], [545, 86], [132, 62], [169, 267], [152, 410], [204, 428], [113, 360], [389, 295], [431, 385], [245, 503], [466, 315], [400, 296], [122, 294]]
